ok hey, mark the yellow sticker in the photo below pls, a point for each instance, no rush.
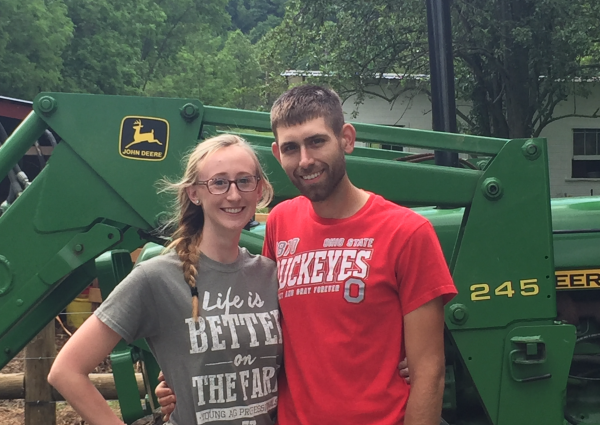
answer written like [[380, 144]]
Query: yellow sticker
[[144, 138], [578, 279]]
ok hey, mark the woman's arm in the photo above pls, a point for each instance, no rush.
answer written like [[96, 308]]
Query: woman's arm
[[85, 350]]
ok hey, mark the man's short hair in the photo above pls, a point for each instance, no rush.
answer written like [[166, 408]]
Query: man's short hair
[[307, 102]]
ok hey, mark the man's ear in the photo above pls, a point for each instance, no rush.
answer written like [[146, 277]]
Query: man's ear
[[348, 137], [275, 150]]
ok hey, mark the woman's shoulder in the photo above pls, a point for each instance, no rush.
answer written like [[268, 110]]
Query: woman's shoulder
[[256, 260], [165, 262], [259, 273]]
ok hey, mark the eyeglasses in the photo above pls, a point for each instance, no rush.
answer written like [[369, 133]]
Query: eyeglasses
[[219, 186]]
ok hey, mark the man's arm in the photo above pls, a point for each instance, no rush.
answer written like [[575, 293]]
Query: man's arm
[[424, 342]]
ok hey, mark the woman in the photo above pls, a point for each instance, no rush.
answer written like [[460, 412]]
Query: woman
[[222, 359]]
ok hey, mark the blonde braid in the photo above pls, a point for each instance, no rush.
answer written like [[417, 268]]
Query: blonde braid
[[189, 258], [187, 247]]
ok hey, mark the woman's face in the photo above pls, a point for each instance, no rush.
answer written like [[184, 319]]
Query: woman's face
[[233, 209]]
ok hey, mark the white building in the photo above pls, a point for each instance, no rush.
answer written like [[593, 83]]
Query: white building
[[573, 143]]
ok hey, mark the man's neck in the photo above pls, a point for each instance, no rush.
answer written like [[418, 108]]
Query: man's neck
[[344, 202]]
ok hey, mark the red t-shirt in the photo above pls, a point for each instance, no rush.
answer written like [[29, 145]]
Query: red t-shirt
[[344, 287]]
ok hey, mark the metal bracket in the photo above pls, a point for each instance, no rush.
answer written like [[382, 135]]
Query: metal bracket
[[531, 350], [112, 267], [122, 359], [78, 251]]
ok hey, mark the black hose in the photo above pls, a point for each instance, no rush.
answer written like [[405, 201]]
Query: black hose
[[50, 137], [571, 419], [422, 157], [3, 134], [15, 187], [586, 358], [17, 178], [586, 337], [40, 156]]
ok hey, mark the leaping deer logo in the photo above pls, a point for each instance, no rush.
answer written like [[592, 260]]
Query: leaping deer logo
[[139, 137]]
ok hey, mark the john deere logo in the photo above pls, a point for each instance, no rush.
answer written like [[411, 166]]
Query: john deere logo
[[144, 138]]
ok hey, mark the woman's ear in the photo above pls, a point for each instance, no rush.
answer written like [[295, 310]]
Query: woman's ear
[[259, 189], [192, 193]]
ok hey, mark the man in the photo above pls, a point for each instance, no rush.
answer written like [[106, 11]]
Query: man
[[362, 282]]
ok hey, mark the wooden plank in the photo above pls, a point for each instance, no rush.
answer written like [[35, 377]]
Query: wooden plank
[[14, 108], [261, 217], [40, 408], [105, 383], [12, 386], [46, 151]]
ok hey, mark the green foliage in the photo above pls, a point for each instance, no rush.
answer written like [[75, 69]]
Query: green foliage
[[238, 62], [515, 60], [148, 47], [219, 72], [256, 17], [104, 56], [119, 46], [184, 19], [519, 59], [33, 34], [354, 44]]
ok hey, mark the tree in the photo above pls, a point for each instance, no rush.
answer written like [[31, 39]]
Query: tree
[[515, 60], [255, 17], [524, 57], [149, 47], [183, 20], [238, 61], [33, 35], [218, 71], [105, 54], [119, 46]]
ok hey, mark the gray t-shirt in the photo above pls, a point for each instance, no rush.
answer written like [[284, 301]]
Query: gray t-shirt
[[223, 368]]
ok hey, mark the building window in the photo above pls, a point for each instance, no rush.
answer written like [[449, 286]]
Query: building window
[[388, 146], [392, 147], [586, 153]]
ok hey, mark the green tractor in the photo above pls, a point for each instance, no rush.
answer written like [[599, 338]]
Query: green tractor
[[523, 334]]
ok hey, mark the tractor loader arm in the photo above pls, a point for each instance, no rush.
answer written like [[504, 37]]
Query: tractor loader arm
[[98, 194]]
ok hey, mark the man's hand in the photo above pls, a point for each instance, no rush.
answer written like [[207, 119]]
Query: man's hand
[[166, 397], [403, 370]]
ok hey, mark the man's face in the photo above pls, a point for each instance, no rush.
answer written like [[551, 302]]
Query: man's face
[[312, 156]]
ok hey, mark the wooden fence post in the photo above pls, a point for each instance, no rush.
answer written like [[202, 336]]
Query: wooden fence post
[[40, 408]]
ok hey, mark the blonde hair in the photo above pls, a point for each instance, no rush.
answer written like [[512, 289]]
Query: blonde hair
[[188, 218]]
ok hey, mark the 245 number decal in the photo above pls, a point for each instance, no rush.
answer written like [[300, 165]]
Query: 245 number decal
[[481, 291]]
